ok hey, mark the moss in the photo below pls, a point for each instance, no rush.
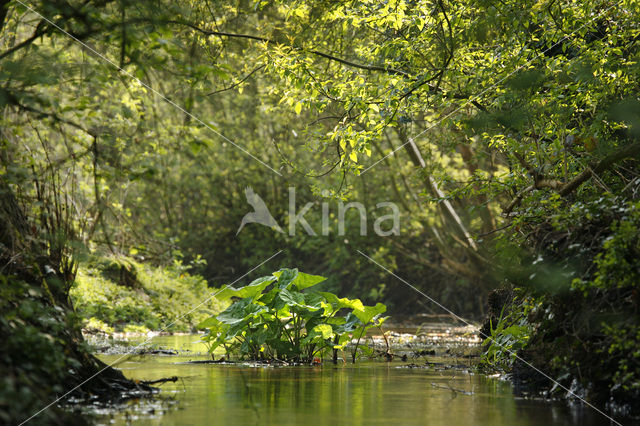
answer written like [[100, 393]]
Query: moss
[[136, 329], [165, 297], [94, 325]]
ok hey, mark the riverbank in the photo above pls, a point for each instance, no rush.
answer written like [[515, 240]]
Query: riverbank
[[44, 358], [125, 296], [573, 310]]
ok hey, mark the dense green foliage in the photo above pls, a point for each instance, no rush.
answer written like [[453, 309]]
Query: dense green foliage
[[151, 181], [510, 333], [579, 320], [513, 127], [124, 295], [276, 318]]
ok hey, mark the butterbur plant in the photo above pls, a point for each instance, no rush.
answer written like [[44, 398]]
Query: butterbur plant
[[279, 317]]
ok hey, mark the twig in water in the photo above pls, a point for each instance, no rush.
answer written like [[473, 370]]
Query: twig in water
[[454, 390], [155, 382]]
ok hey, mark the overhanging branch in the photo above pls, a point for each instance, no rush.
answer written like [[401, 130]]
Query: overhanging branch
[[319, 53], [564, 189], [632, 150]]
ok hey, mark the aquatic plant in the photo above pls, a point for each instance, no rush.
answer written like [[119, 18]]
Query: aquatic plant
[[278, 317]]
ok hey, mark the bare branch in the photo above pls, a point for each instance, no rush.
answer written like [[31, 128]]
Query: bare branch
[[237, 83]]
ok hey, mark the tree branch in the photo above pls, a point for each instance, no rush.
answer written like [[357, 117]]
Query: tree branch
[[632, 150], [237, 82], [564, 189], [39, 31], [367, 67], [13, 100]]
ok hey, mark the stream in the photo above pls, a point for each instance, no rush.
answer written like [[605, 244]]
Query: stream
[[439, 388]]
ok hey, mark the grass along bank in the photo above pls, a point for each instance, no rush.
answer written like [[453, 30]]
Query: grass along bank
[[122, 295]]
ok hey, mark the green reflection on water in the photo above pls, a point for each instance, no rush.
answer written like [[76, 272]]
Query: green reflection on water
[[367, 393]]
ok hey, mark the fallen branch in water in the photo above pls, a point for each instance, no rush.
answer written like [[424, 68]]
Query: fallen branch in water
[[146, 351], [155, 382]]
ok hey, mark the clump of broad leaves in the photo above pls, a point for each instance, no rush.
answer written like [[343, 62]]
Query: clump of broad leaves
[[279, 317]]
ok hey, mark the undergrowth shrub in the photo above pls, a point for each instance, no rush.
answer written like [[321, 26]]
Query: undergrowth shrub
[[587, 333]]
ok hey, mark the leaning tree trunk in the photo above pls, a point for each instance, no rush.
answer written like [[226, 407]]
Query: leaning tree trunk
[[468, 261]]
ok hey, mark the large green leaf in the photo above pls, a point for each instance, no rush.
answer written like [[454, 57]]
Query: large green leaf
[[313, 300], [351, 322], [296, 299], [369, 312], [302, 280], [268, 297], [252, 290], [210, 322], [240, 311], [318, 333], [285, 277], [324, 330], [291, 298], [313, 318], [344, 302]]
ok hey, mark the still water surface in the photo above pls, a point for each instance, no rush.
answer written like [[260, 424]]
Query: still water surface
[[362, 394]]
